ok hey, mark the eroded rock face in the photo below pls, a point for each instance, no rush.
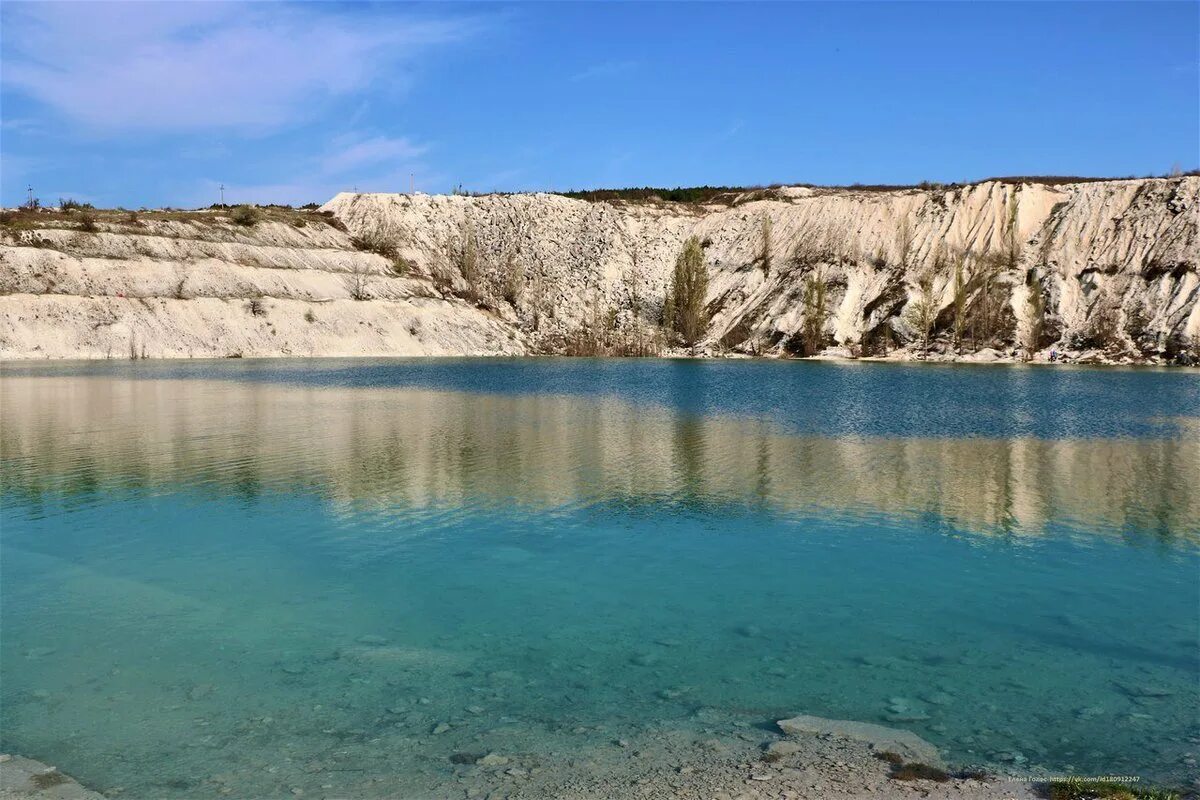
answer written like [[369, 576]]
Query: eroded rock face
[[1106, 265], [1104, 270], [209, 288]]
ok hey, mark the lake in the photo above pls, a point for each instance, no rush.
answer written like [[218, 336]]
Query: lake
[[333, 576]]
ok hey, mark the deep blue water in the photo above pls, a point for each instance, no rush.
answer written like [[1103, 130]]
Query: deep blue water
[[218, 568]]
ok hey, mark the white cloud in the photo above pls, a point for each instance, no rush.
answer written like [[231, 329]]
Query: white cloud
[[196, 66]]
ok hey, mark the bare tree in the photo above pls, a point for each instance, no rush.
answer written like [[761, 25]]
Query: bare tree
[[1103, 329], [357, 281], [1036, 312], [923, 310], [536, 299], [1012, 239], [904, 242], [463, 255], [512, 276], [990, 298], [764, 257], [962, 282], [633, 279]]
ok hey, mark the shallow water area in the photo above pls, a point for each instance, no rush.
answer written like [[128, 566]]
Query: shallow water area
[[346, 576]]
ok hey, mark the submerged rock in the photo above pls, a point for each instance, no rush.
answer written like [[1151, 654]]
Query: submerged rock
[[25, 778], [40, 652], [465, 758], [200, 691], [777, 751], [1143, 690], [492, 760], [372, 640]]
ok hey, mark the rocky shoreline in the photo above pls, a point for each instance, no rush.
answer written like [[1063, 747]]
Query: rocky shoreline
[[22, 778], [806, 757]]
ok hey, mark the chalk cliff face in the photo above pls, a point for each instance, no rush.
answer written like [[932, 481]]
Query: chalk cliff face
[[1106, 268], [1109, 265], [201, 287]]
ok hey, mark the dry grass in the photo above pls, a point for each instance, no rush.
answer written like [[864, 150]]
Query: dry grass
[[728, 195], [119, 218]]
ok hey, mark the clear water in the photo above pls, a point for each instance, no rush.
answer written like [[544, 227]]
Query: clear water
[[280, 575]]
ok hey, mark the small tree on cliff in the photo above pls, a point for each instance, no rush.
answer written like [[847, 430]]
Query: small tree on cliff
[[764, 256], [962, 283], [923, 310], [684, 311], [816, 312], [1035, 309]]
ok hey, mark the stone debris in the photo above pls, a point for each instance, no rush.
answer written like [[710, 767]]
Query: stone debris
[[904, 743]]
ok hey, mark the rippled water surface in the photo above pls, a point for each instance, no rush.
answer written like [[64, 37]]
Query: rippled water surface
[[284, 575]]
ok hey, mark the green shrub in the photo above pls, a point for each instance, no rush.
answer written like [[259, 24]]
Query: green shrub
[[816, 312], [1079, 789], [244, 215], [684, 310], [375, 242], [401, 266]]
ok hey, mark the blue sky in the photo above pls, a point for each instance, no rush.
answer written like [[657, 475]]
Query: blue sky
[[157, 104]]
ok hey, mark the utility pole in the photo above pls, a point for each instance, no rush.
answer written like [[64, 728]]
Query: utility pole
[[30, 190], [222, 194]]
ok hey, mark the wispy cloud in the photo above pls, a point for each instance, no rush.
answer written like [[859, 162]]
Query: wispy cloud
[[191, 67], [605, 69], [349, 154], [372, 163]]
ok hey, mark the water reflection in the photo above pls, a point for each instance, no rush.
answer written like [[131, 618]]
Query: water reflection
[[372, 448]]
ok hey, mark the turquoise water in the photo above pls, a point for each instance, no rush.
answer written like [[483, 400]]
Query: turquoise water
[[281, 575]]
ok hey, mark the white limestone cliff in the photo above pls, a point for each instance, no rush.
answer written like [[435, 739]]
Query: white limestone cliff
[[1112, 265]]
